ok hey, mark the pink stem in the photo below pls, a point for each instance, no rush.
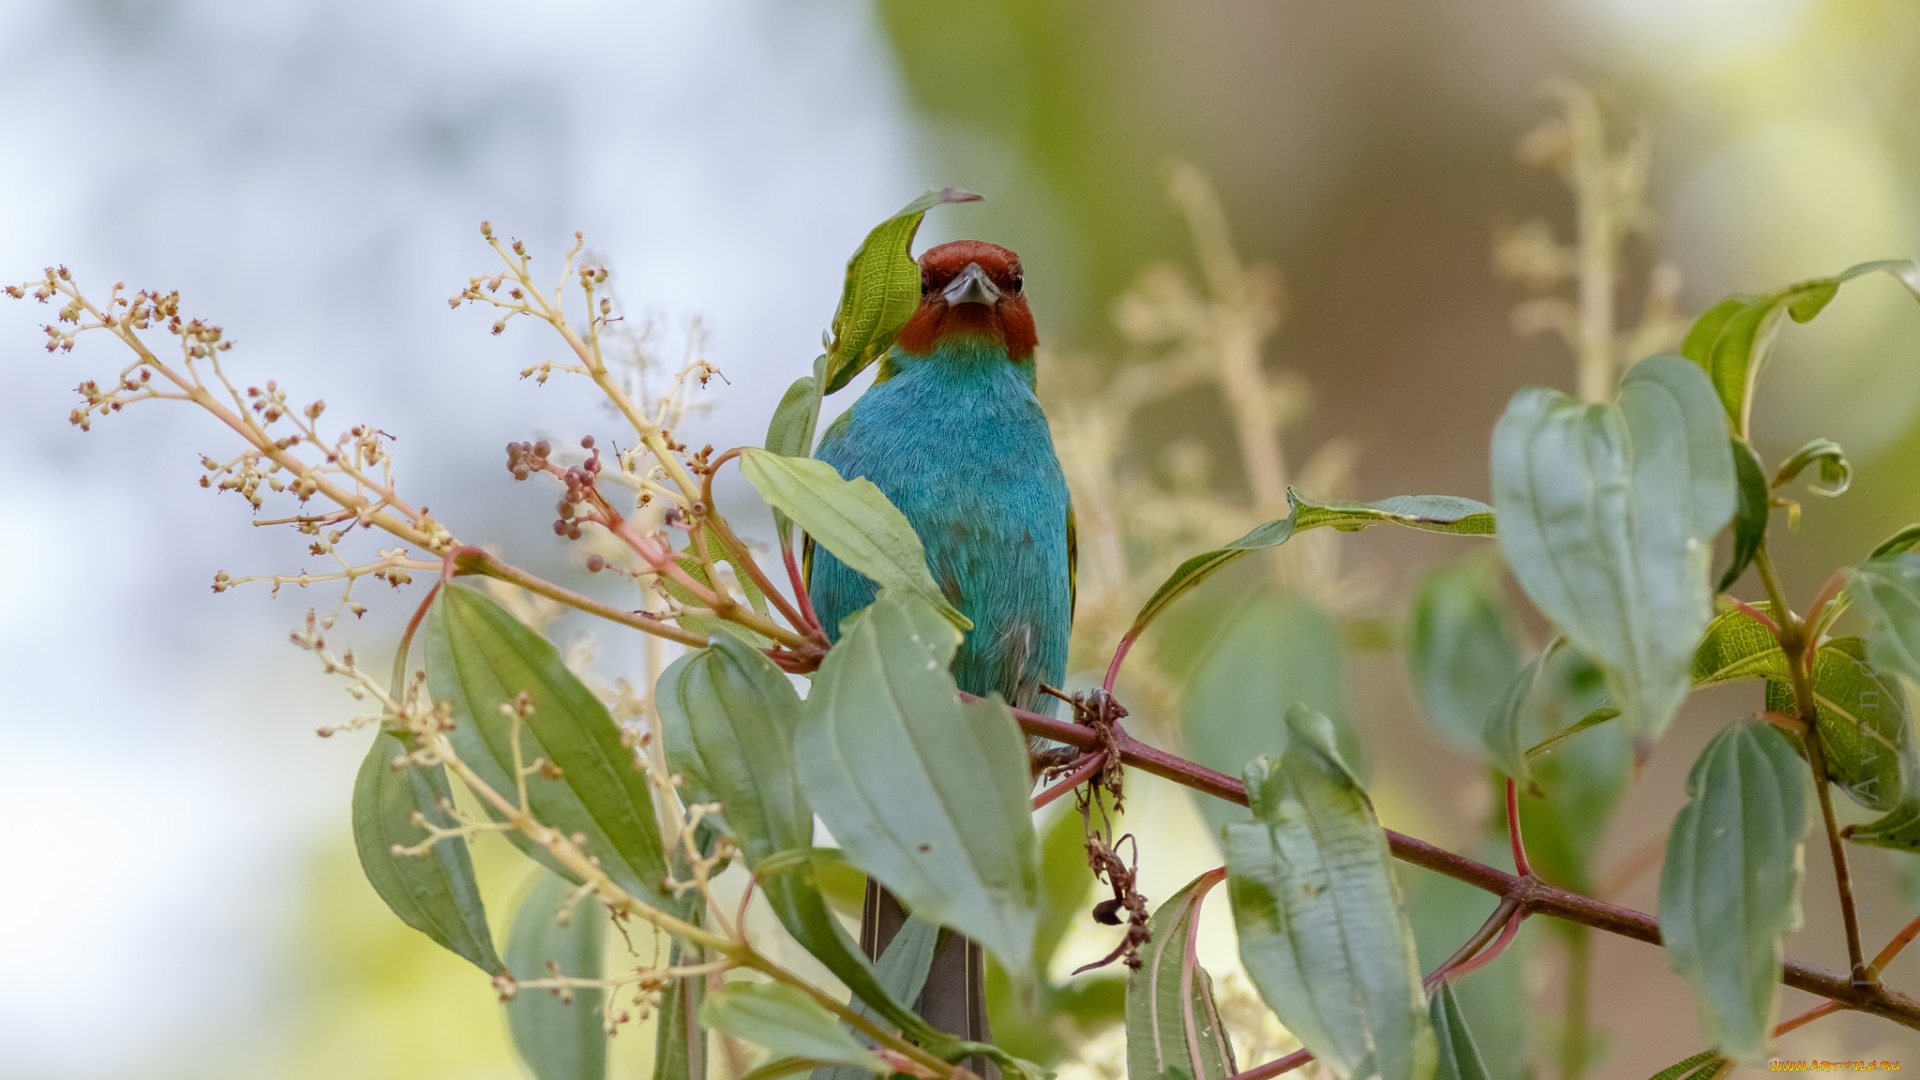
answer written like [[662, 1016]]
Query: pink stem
[[1520, 864], [799, 587], [1119, 656]]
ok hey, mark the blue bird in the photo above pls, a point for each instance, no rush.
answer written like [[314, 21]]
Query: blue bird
[[953, 434]]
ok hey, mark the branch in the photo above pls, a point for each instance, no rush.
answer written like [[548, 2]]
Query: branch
[[1533, 895]]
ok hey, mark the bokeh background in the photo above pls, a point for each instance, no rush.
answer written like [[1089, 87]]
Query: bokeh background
[[178, 892]]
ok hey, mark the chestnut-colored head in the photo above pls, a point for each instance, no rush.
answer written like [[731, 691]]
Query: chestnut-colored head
[[971, 287]]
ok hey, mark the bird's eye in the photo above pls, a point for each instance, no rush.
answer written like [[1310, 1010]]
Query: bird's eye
[[926, 284], [1018, 280]]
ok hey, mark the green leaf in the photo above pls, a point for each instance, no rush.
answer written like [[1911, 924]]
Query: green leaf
[[790, 432], [730, 716], [1836, 472], [1899, 829], [1461, 649], [1861, 714], [559, 1036], [679, 1042], [1277, 650], [882, 290], [902, 973], [1591, 720], [1732, 339], [1888, 592], [1729, 890], [1907, 539], [435, 893], [689, 561], [853, 520], [1607, 518], [925, 794], [1431, 513], [1704, 1065], [1459, 1054], [1322, 932], [479, 657], [786, 1021], [1502, 732], [1753, 505], [1173, 1029]]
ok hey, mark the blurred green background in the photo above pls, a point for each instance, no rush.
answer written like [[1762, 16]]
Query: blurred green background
[[312, 173]]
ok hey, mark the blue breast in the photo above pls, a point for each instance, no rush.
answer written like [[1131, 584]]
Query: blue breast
[[956, 439]]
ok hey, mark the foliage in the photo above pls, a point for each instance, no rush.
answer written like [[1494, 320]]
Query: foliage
[[1607, 509]]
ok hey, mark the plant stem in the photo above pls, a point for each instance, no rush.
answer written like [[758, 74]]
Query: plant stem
[[1794, 641], [1573, 1028]]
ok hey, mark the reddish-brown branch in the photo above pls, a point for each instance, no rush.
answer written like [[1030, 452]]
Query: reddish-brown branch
[[1534, 895], [1087, 767]]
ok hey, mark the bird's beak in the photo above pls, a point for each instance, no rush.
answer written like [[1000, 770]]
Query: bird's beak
[[972, 286]]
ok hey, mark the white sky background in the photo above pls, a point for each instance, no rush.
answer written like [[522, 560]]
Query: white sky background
[[311, 176]]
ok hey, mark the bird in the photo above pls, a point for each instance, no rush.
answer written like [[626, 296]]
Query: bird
[[952, 432]]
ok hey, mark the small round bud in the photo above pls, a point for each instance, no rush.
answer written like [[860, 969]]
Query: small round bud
[[486, 229], [595, 564], [586, 442]]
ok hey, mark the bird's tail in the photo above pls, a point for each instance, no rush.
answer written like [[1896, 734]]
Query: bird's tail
[[954, 999]]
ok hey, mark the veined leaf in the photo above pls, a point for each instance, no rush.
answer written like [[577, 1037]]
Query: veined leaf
[[1275, 651], [853, 520], [1753, 505], [730, 716], [1737, 646], [1432, 513], [679, 1042], [1729, 890], [1861, 714], [1888, 592], [1459, 1054], [560, 1037], [479, 658], [1732, 339], [1173, 1029], [1461, 649], [1705, 1065], [1322, 932], [1836, 472], [1607, 517], [882, 290], [787, 1022], [435, 893], [926, 795]]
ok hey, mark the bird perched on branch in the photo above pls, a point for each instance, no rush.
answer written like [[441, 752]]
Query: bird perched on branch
[[952, 433]]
